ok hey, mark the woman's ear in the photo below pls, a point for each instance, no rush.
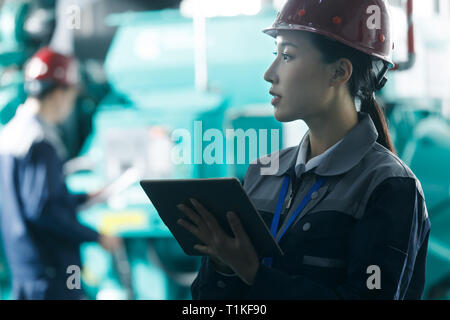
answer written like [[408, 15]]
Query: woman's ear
[[341, 72]]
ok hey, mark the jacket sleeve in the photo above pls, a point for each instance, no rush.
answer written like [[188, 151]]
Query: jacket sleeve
[[213, 285], [46, 202], [390, 235]]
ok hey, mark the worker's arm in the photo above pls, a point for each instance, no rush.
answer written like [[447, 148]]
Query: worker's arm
[[46, 202], [79, 198], [390, 235], [211, 284]]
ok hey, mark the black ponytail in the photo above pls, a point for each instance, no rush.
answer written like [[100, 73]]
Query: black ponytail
[[370, 105], [363, 82]]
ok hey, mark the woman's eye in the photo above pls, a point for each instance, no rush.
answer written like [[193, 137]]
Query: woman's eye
[[286, 56]]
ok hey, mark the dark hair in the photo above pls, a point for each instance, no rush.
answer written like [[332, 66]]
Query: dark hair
[[41, 89], [362, 83]]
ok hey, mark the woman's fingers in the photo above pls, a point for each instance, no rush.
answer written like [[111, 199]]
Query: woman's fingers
[[237, 228], [207, 217], [201, 235], [191, 215], [190, 227]]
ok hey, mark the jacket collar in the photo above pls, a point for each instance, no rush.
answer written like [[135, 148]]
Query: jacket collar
[[347, 154]]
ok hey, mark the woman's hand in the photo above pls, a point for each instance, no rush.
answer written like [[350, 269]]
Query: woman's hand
[[237, 252]]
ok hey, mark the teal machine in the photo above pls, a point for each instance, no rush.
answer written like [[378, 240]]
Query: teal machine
[[13, 54], [422, 138], [421, 135], [156, 120], [26, 26]]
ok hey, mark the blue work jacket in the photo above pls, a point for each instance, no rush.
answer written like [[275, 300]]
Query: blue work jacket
[[40, 232]]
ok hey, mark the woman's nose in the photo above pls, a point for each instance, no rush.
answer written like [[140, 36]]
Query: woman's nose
[[270, 75]]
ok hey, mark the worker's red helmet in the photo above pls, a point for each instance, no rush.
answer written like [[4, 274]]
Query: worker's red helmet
[[363, 25], [48, 69]]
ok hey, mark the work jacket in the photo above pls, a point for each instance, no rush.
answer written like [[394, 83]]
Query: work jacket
[[40, 232]]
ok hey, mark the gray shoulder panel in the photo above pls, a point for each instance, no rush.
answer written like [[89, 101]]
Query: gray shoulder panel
[[383, 164], [350, 192], [402, 167]]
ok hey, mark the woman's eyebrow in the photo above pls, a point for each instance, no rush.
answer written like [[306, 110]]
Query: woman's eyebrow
[[286, 44]]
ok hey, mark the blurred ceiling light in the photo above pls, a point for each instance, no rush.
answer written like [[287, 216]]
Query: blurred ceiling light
[[278, 4], [227, 8]]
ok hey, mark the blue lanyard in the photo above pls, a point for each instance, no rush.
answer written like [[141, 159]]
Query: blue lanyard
[[302, 205]]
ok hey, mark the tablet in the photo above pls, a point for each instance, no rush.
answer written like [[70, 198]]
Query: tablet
[[218, 196]]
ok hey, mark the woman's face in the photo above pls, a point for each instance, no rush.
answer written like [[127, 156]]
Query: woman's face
[[300, 80]]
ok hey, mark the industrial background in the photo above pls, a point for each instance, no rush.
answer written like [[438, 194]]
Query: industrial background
[[150, 67]]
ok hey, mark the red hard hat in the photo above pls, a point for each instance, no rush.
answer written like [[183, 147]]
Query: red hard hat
[[49, 66], [363, 25]]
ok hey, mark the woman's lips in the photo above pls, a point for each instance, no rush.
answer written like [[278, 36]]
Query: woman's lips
[[276, 100]]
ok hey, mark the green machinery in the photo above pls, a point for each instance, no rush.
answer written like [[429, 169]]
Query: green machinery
[[154, 109], [25, 25], [12, 57], [422, 138], [421, 134]]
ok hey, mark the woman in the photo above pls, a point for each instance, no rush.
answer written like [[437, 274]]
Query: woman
[[349, 215]]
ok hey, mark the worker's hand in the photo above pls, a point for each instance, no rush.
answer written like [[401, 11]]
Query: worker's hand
[[236, 252], [109, 243], [96, 196]]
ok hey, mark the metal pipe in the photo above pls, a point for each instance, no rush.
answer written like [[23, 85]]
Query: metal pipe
[[408, 64], [201, 67]]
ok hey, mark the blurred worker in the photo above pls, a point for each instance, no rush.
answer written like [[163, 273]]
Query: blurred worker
[[39, 227], [349, 215]]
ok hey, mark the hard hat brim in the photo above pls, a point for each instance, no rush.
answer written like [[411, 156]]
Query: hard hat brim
[[273, 32]]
